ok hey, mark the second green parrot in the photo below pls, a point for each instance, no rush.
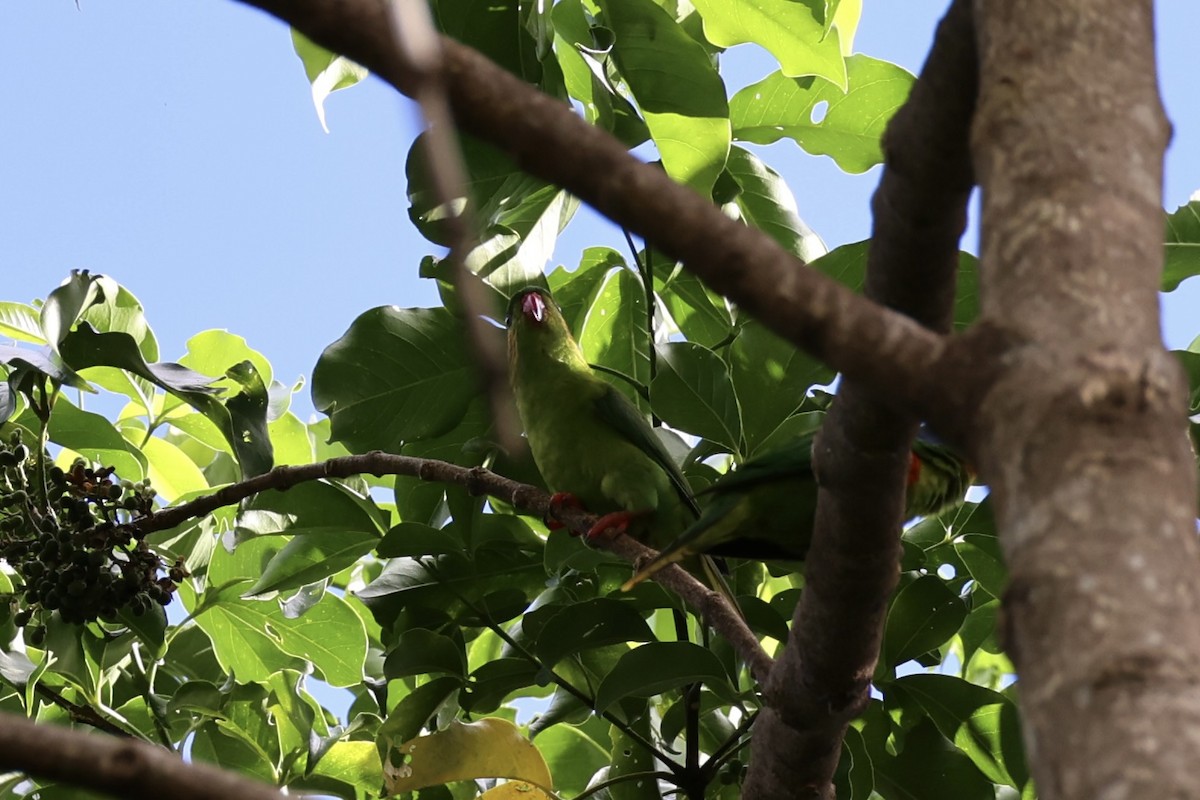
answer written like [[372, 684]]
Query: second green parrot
[[588, 440], [765, 509]]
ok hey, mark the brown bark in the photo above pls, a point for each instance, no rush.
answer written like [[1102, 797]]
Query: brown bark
[[1081, 437], [122, 767], [822, 679]]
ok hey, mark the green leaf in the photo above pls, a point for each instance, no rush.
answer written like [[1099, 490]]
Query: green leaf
[[353, 763], [414, 710], [794, 31], [331, 525], [851, 129], [326, 71], [66, 304], [253, 639], [94, 438], [922, 616], [573, 756], [700, 314], [415, 539], [676, 86], [983, 724], [312, 556], [396, 375], [928, 767], [612, 330], [213, 352], [1183, 245], [492, 682], [448, 583], [981, 553], [694, 393], [978, 632], [233, 753], [592, 623], [771, 378], [494, 29], [20, 321], [310, 507], [29, 366], [766, 202], [289, 441], [171, 472], [584, 62], [420, 652], [855, 776], [518, 218], [656, 667], [629, 757], [241, 421]]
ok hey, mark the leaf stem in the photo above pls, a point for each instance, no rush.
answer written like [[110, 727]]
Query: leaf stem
[[632, 776], [646, 271], [676, 770]]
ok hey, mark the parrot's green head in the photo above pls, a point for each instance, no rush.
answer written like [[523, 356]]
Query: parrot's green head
[[537, 331]]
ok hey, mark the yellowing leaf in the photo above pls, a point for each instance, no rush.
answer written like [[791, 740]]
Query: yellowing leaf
[[515, 790], [489, 748]]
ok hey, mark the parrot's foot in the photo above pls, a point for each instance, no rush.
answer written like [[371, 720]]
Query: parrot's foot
[[610, 526], [559, 501]]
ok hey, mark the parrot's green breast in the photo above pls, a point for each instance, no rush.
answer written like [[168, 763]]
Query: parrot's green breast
[[578, 451]]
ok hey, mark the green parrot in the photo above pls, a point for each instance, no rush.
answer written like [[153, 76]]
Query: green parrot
[[764, 510], [591, 443]]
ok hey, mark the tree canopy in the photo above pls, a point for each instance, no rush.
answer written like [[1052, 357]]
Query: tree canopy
[[372, 600]]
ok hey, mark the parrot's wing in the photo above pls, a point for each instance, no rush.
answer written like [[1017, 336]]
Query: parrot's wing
[[793, 461], [942, 481], [616, 410]]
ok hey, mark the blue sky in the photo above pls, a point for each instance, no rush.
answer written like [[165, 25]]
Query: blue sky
[[174, 146]]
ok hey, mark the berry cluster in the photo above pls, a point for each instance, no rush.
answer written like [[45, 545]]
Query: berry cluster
[[69, 536]]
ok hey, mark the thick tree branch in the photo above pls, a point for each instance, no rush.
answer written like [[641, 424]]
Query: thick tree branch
[[822, 679], [887, 351], [477, 480], [122, 767], [1082, 438]]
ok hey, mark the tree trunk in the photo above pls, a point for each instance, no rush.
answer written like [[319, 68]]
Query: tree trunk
[[1081, 436]]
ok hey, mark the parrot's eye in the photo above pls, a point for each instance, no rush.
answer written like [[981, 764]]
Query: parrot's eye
[[534, 306]]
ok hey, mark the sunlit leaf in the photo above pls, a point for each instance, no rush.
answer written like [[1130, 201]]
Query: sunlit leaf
[[489, 748], [794, 31], [656, 57], [326, 71], [847, 126]]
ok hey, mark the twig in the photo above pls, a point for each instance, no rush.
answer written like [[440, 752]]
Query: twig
[[528, 499], [81, 713], [419, 47]]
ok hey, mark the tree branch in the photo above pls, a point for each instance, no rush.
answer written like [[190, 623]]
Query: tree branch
[[887, 351], [822, 679], [477, 480], [122, 767], [419, 47]]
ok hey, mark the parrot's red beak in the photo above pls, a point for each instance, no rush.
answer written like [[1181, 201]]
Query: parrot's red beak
[[533, 305]]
